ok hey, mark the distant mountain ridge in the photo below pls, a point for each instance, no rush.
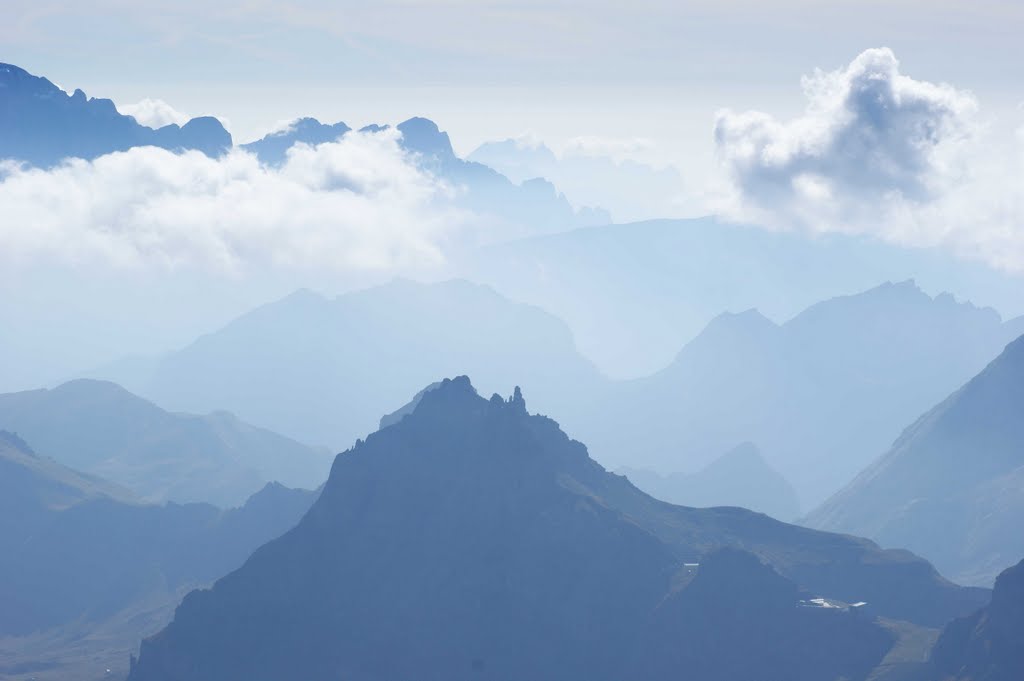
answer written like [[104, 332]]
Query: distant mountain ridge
[[324, 369], [101, 428], [42, 125], [486, 541], [686, 272], [740, 477], [820, 394], [628, 189], [533, 203], [952, 486]]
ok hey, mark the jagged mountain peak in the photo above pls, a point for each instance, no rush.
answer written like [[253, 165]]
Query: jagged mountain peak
[[423, 136], [41, 125]]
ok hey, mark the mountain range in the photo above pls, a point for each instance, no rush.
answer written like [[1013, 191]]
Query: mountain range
[[471, 539], [323, 370], [529, 205], [42, 125], [104, 430], [86, 570], [635, 293], [822, 394], [952, 486]]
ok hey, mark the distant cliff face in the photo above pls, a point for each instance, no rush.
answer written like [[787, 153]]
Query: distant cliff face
[[42, 125], [988, 645], [469, 539]]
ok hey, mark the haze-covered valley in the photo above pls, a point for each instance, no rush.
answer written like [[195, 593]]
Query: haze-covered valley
[[383, 392]]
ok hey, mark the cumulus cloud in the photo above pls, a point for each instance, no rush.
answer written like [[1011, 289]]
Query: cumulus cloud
[[356, 204], [154, 113], [877, 152]]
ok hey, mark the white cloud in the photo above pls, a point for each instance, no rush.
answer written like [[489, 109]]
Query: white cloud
[[357, 204], [878, 152], [154, 113]]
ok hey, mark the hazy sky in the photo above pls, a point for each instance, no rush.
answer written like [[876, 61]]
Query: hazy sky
[[486, 69], [900, 120]]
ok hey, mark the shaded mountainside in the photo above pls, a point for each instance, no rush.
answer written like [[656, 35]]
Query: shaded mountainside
[[470, 538], [76, 552], [740, 477], [40, 124], [102, 429], [988, 645], [952, 486], [324, 370], [821, 395]]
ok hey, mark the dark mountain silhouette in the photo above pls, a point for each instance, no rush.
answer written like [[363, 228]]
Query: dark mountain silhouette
[[78, 556], [470, 539], [324, 370], [988, 645], [740, 477], [820, 395], [534, 204], [952, 486], [42, 125], [102, 429]]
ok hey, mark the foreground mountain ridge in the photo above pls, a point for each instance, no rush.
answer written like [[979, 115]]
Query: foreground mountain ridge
[[471, 537], [987, 645]]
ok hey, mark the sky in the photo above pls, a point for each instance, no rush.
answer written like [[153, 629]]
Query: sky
[[903, 121]]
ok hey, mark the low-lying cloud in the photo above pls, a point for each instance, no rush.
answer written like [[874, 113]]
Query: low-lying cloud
[[356, 204], [154, 113], [881, 153]]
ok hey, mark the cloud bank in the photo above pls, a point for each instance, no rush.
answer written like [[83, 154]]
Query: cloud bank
[[356, 204], [154, 113], [881, 153]]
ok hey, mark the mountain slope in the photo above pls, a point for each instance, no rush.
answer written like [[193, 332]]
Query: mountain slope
[[85, 570], [821, 394], [952, 486], [740, 477], [100, 428], [42, 125], [324, 370], [470, 538], [988, 645]]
